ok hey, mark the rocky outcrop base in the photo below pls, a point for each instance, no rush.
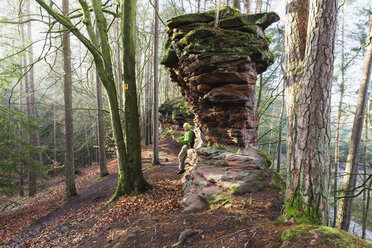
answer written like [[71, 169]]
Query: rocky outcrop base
[[221, 172]]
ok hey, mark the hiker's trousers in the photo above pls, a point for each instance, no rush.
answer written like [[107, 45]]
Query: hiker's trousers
[[182, 157]]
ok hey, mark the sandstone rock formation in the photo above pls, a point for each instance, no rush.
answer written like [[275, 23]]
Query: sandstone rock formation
[[216, 69]]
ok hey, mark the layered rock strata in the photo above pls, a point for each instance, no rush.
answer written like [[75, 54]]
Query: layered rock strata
[[216, 69]]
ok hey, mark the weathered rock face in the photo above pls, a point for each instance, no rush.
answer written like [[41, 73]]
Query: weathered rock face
[[216, 69]]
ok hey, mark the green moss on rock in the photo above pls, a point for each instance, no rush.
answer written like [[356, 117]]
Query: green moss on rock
[[320, 236], [263, 179], [170, 59], [267, 158]]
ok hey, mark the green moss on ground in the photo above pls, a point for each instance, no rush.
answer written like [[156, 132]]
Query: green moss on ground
[[320, 236]]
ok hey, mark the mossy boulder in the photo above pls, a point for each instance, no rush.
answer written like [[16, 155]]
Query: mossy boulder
[[261, 179], [320, 236], [176, 111]]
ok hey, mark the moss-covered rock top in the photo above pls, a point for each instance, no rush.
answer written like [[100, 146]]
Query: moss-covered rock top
[[320, 236], [236, 34], [200, 18]]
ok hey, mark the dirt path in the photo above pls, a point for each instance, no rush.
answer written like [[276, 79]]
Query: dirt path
[[155, 218]]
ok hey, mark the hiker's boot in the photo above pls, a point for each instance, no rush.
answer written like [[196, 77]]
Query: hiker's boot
[[180, 171]]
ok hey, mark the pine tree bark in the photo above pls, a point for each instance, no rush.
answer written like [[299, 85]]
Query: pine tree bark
[[155, 147], [351, 170], [309, 68], [69, 131]]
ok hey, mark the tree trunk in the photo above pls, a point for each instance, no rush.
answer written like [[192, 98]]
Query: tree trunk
[[118, 64], [247, 6], [279, 146], [339, 112], [31, 108], [101, 131], [349, 181], [236, 4], [69, 131], [130, 175], [309, 68], [365, 192], [21, 108], [155, 147], [101, 128], [259, 97], [258, 6]]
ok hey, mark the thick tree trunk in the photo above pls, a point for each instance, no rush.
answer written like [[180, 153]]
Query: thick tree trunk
[[101, 131], [338, 121], [130, 175], [69, 131], [308, 107], [155, 147], [349, 181]]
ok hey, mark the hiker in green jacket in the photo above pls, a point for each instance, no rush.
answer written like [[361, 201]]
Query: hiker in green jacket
[[188, 142]]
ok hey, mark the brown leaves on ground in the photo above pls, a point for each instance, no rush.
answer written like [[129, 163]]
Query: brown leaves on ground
[[152, 219]]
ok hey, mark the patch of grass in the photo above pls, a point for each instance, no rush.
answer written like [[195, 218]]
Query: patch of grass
[[96, 179]]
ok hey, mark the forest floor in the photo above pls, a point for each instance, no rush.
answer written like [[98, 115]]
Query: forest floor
[[152, 219]]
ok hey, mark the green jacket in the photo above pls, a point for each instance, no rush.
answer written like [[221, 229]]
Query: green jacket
[[187, 138]]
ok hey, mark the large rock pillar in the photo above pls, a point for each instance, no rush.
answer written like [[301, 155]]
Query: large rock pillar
[[216, 69]]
